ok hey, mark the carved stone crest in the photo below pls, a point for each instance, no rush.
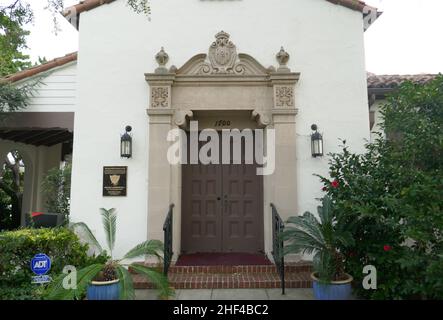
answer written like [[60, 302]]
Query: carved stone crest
[[223, 60], [284, 96], [222, 54], [160, 97]]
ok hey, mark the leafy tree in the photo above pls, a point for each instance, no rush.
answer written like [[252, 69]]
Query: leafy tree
[[40, 60], [18, 13], [11, 190], [22, 11], [393, 193], [14, 98], [13, 38]]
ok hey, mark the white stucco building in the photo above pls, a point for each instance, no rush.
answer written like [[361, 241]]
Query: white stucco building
[[282, 65]]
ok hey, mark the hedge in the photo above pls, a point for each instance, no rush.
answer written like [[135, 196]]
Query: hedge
[[17, 248]]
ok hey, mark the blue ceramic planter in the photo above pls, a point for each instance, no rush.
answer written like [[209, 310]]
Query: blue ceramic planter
[[109, 290], [336, 290]]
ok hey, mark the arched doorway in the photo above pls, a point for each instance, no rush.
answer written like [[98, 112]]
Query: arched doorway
[[211, 86]]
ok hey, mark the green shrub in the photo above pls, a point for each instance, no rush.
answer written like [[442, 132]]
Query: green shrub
[[23, 291], [393, 195], [17, 248], [57, 190]]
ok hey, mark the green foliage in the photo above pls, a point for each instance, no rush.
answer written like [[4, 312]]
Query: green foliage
[[13, 41], [109, 220], [394, 195], [21, 13], [152, 248], [307, 235], [11, 190], [15, 14], [55, 291], [56, 188], [14, 98], [6, 222], [17, 248], [149, 248], [126, 285], [140, 6], [23, 291]]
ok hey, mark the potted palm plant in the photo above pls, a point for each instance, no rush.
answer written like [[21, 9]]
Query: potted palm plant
[[111, 280], [322, 239]]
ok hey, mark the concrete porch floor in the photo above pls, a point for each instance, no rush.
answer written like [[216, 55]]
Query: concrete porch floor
[[230, 294]]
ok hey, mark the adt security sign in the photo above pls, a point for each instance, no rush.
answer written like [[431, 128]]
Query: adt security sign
[[40, 265]]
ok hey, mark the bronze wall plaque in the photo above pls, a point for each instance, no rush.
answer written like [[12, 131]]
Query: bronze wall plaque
[[115, 181]]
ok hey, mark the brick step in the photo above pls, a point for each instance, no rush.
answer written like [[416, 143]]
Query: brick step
[[289, 268], [229, 281]]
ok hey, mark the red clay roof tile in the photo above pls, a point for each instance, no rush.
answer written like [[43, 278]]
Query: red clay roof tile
[[57, 62], [92, 4], [394, 80]]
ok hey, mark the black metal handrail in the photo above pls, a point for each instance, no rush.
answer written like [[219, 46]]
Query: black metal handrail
[[167, 229], [277, 245]]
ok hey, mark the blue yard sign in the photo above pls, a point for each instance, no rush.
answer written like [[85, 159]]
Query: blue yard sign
[[40, 264]]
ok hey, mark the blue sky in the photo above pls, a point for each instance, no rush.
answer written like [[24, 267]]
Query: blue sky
[[406, 39]]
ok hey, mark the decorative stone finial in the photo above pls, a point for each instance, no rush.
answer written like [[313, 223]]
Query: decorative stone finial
[[283, 58], [162, 59]]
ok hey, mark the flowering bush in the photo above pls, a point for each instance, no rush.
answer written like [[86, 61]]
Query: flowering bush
[[393, 196]]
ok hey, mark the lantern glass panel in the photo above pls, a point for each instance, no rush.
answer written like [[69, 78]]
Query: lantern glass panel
[[126, 146], [317, 145]]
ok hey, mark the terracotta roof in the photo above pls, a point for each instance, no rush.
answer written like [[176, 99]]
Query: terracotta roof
[[57, 62], [393, 81], [87, 5], [351, 4]]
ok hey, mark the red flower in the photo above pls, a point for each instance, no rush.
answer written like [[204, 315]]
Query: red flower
[[387, 248], [335, 184]]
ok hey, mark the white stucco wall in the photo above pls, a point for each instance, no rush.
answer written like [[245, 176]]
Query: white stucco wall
[[118, 46], [56, 91], [377, 119]]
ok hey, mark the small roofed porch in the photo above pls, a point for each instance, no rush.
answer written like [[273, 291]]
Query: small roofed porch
[[31, 144]]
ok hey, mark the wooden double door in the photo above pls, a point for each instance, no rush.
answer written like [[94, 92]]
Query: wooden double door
[[222, 207]]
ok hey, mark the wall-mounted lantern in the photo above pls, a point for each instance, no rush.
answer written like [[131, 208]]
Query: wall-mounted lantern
[[316, 142], [126, 143]]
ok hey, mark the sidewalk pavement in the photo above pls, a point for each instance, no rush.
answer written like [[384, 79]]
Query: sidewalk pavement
[[231, 294]]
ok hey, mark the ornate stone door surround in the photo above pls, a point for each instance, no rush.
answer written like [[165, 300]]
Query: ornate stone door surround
[[220, 80]]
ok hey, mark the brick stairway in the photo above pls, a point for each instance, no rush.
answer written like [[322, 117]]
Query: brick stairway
[[297, 275]]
